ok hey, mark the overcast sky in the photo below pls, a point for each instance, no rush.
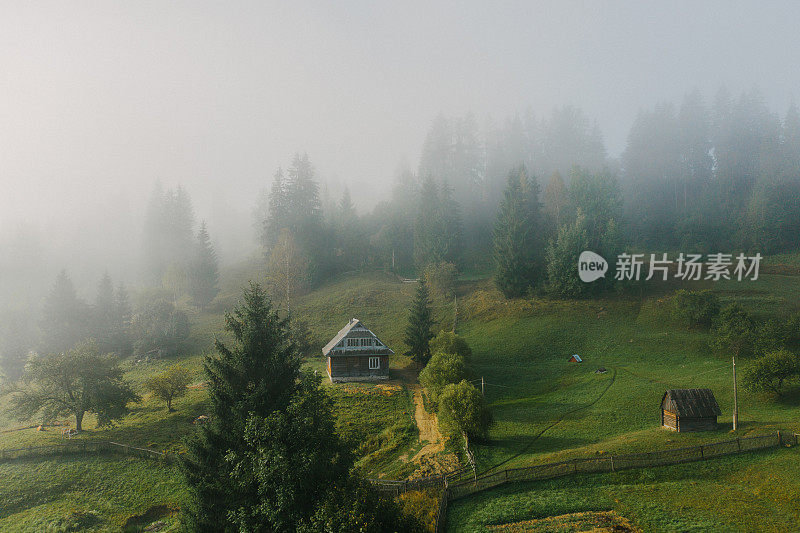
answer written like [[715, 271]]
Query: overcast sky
[[99, 99]]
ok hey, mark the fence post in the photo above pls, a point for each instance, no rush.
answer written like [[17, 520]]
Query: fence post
[[702, 455], [574, 466], [739, 443], [612, 463]]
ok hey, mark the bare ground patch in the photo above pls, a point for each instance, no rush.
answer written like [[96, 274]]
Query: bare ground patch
[[586, 522], [431, 458]]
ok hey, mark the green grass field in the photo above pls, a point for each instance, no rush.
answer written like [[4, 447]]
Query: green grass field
[[99, 493], [755, 492], [544, 407]]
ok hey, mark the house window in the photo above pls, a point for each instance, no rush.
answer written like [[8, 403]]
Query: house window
[[374, 363], [366, 342], [352, 342]]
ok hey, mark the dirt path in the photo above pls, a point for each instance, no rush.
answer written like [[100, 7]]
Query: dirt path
[[428, 428]]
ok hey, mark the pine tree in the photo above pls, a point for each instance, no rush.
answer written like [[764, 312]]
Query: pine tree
[[278, 215], [256, 376], [154, 251], [169, 232], [204, 274], [302, 190], [17, 338], [103, 324], [287, 269], [428, 236], [517, 245], [123, 344], [555, 198], [419, 331], [452, 225], [65, 317], [349, 235], [347, 211]]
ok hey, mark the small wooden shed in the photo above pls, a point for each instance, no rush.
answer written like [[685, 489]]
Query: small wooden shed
[[575, 359], [356, 354], [689, 410]]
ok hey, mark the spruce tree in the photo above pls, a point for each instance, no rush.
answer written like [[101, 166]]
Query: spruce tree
[[452, 225], [516, 242], [204, 274], [65, 317], [256, 376], [17, 338], [123, 344], [103, 325], [420, 324], [277, 217], [428, 235]]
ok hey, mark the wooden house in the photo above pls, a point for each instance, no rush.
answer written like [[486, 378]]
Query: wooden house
[[356, 354], [575, 359], [689, 410]]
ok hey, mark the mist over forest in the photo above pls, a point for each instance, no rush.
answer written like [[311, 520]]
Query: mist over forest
[[398, 266], [376, 141]]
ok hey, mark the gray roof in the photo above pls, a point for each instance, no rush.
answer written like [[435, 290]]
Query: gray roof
[[344, 333], [691, 403]]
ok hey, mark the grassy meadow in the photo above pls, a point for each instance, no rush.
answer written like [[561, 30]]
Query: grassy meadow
[[752, 492], [544, 408]]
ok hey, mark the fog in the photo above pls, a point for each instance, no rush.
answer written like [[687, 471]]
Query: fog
[[99, 100]]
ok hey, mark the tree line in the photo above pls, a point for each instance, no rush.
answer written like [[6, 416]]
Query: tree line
[[523, 199]]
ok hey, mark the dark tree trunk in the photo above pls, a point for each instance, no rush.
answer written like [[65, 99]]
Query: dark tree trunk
[[78, 421]]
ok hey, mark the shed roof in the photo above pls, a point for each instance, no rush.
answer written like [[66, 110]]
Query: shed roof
[[691, 403]]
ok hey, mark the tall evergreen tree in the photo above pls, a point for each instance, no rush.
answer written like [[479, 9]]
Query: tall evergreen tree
[[122, 341], [278, 212], [419, 331], [169, 232], [153, 245], [204, 273], [256, 376], [554, 199], [291, 460], [438, 228], [428, 246], [517, 236], [347, 211], [452, 225], [17, 339], [65, 317], [103, 315]]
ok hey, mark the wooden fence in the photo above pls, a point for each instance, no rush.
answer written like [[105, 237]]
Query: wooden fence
[[82, 447], [613, 463], [398, 487], [455, 484]]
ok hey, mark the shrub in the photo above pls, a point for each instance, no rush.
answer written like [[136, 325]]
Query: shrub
[[160, 327], [170, 384], [792, 332], [462, 410], [769, 372], [449, 342], [443, 369], [697, 308], [441, 278]]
